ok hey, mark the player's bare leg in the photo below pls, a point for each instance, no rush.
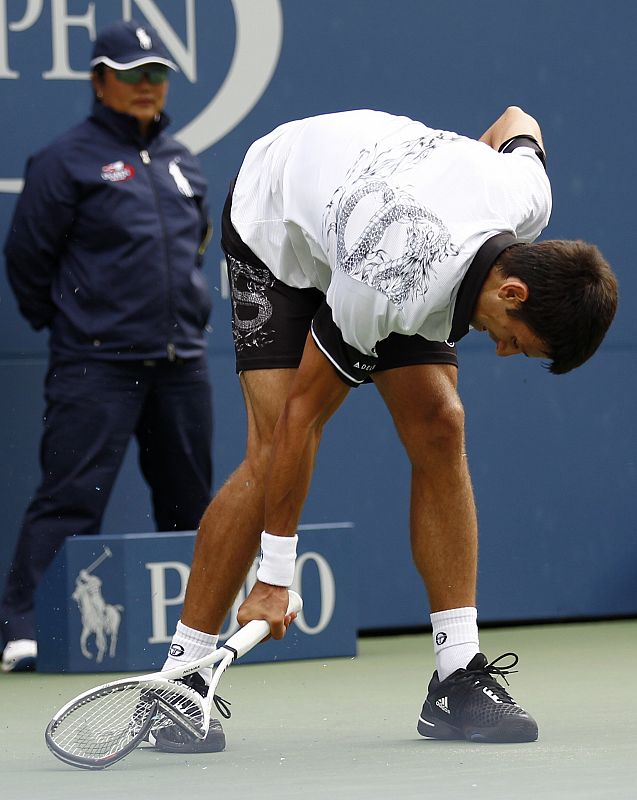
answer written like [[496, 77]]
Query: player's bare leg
[[464, 699], [228, 537], [226, 543], [429, 417]]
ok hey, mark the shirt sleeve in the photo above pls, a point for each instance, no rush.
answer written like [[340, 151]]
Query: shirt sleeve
[[530, 191], [523, 140]]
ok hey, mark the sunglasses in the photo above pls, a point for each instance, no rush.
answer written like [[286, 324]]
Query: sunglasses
[[155, 74]]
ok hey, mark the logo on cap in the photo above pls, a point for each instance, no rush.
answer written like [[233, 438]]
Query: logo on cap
[[145, 42]]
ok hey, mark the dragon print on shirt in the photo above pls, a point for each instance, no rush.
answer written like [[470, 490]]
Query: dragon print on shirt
[[248, 295], [382, 235]]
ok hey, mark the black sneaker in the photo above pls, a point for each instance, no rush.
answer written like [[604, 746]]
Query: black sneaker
[[470, 704], [173, 739]]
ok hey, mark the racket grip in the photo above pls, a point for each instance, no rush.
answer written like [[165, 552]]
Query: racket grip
[[254, 632], [295, 603]]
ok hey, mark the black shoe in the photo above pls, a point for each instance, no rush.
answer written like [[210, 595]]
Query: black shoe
[[174, 739], [470, 704]]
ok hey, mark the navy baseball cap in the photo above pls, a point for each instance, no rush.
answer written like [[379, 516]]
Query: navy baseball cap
[[124, 45]]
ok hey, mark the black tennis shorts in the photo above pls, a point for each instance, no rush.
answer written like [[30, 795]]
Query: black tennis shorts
[[271, 321]]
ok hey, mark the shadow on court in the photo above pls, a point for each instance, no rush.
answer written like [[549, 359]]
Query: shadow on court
[[346, 728]]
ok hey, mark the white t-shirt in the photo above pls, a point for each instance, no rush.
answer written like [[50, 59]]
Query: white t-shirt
[[382, 214]]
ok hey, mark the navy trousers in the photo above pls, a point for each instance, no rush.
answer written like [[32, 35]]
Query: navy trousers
[[93, 409]]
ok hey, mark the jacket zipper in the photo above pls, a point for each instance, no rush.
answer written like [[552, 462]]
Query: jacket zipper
[[146, 160]]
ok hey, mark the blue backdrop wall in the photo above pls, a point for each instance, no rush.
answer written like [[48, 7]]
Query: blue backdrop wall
[[553, 458]]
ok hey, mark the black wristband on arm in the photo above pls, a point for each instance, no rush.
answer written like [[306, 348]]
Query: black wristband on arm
[[523, 140]]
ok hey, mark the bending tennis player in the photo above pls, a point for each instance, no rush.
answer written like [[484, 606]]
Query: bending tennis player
[[361, 246]]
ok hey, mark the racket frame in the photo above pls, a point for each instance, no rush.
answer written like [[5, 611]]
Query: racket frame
[[236, 646], [106, 761]]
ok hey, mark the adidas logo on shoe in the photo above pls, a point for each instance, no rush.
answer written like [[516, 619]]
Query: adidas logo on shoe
[[443, 705]]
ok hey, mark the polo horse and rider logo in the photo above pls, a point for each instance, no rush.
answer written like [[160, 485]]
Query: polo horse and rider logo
[[99, 618]]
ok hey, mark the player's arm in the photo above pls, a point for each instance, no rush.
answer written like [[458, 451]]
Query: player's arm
[[314, 396], [513, 122], [42, 219]]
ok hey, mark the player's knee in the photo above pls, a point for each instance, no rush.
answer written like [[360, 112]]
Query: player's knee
[[258, 447], [445, 421], [438, 432], [257, 459]]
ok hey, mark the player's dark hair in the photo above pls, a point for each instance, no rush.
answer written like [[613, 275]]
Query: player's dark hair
[[572, 297]]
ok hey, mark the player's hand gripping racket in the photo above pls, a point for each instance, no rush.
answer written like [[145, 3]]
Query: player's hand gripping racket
[[103, 725]]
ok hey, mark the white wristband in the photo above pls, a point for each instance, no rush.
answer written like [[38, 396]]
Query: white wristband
[[278, 556]]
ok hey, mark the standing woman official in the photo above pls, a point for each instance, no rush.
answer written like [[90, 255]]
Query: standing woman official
[[105, 250]]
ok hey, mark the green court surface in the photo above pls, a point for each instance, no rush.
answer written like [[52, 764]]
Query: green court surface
[[346, 728]]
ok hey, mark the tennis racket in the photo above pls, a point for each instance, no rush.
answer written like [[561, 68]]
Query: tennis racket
[[103, 725]]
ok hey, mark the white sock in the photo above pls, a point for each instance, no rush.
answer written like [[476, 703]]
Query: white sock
[[455, 635], [189, 645]]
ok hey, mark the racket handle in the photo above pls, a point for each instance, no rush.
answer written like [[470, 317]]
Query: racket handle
[[254, 632], [295, 603]]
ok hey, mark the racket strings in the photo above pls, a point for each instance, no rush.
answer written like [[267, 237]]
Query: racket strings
[[102, 724], [105, 722], [180, 698]]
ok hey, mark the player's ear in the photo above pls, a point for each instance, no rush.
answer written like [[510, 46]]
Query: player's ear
[[514, 290], [98, 82]]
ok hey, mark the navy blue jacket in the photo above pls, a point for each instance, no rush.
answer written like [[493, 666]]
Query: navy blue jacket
[[107, 239]]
